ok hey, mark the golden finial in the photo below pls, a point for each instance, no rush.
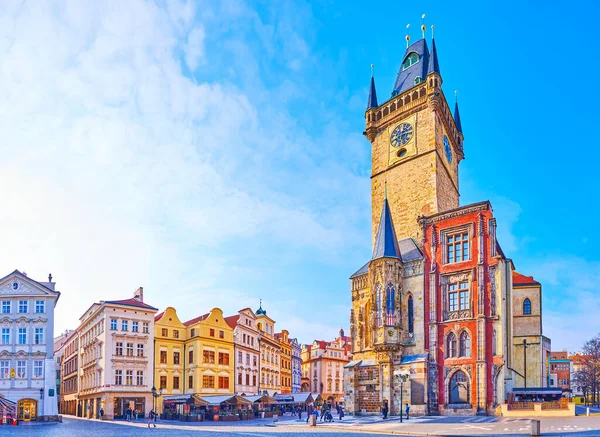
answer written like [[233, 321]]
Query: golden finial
[[432, 27], [385, 189], [372, 70], [423, 26], [407, 35]]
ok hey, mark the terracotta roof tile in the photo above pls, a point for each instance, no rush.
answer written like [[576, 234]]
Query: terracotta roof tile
[[519, 279], [158, 316], [232, 321], [132, 303], [196, 320]]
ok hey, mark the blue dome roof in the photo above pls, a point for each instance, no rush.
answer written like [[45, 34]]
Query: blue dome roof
[[260, 311]]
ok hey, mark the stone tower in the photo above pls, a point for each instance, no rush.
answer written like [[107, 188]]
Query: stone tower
[[416, 144]]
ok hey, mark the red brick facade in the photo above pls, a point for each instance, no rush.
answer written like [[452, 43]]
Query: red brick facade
[[461, 258]]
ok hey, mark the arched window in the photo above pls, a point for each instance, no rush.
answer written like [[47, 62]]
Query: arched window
[[459, 388], [378, 303], [527, 307], [494, 343], [465, 344], [411, 59], [390, 296], [451, 346], [411, 315]]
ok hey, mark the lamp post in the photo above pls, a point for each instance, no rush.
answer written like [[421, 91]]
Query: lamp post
[[402, 376], [155, 395], [525, 360]]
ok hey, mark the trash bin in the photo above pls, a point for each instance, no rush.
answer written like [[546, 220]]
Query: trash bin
[[312, 421], [535, 427], [275, 417], [262, 415]]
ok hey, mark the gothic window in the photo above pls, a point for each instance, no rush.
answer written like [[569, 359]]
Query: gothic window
[[411, 59], [378, 303], [465, 344], [458, 296], [451, 346], [411, 315], [457, 247], [527, 307], [494, 343], [459, 388], [390, 315]]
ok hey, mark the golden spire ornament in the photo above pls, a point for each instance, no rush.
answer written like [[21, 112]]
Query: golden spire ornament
[[423, 26], [432, 28], [407, 35]]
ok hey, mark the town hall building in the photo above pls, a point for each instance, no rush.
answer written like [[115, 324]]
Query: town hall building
[[432, 315]]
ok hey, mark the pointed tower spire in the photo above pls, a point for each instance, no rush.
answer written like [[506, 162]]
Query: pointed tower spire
[[457, 115], [434, 66], [372, 93], [386, 243]]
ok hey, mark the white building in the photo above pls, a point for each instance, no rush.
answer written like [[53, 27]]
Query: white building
[[247, 349], [116, 358], [27, 365]]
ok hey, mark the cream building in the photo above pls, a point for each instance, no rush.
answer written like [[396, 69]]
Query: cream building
[[27, 365], [116, 358], [247, 351], [270, 354]]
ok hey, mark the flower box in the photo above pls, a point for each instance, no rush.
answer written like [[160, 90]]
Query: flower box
[[229, 418]]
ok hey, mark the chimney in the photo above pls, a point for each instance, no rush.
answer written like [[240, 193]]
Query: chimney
[[139, 294]]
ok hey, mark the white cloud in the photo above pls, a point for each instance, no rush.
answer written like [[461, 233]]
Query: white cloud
[[194, 49], [118, 171]]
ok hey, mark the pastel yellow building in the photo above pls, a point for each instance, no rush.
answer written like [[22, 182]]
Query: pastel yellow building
[[195, 357], [285, 362]]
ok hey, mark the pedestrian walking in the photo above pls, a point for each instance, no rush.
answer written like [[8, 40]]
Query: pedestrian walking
[[309, 412], [407, 410], [137, 413], [300, 413], [101, 413], [316, 414], [341, 411], [152, 418]]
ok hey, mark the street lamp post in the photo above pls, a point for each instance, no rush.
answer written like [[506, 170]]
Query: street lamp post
[[525, 360], [402, 376], [155, 395]]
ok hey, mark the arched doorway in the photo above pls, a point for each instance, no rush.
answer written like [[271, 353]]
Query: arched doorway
[[27, 409], [459, 388]]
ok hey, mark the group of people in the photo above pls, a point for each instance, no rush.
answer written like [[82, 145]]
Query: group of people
[[130, 414], [385, 410], [323, 411]]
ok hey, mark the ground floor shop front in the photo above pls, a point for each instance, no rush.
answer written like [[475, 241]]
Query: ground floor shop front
[[111, 405]]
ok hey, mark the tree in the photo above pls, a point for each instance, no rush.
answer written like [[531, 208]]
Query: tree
[[588, 375]]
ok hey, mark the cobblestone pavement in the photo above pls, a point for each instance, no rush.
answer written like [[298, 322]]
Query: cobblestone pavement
[[363, 427]]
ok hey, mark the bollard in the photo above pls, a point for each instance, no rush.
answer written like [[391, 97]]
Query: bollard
[[587, 411], [535, 427], [312, 421], [275, 418]]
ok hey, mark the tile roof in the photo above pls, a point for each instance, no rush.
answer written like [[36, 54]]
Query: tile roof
[[409, 251], [131, 302], [433, 64], [406, 78], [158, 316], [519, 279], [232, 321], [372, 103], [386, 243], [196, 320], [364, 269]]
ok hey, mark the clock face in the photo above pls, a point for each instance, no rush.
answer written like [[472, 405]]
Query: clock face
[[401, 135], [447, 149]]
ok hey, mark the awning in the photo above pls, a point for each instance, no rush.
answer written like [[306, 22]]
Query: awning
[[199, 402], [303, 397], [352, 364], [181, 399], [226, 399], [260, 399], [365, 363], [537, 391], [7, 407], [317, 397]]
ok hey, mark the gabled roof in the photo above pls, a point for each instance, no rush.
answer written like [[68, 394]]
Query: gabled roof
[[519, 279], [131, 302], [232, 321], [42, 285], [386, 243], [196, 320]]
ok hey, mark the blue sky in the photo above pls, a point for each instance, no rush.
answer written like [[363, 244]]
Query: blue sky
[[212, 152]]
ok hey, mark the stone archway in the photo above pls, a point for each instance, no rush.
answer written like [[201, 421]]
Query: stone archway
[[458, 388], [27, 409]]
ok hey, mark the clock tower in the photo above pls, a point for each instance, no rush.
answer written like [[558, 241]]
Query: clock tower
[[417, 144]]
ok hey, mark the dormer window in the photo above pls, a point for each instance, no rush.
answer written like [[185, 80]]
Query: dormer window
[[417, 80], [410, 60]]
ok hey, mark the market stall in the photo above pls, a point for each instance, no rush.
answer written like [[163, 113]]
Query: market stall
[[228, 408]]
